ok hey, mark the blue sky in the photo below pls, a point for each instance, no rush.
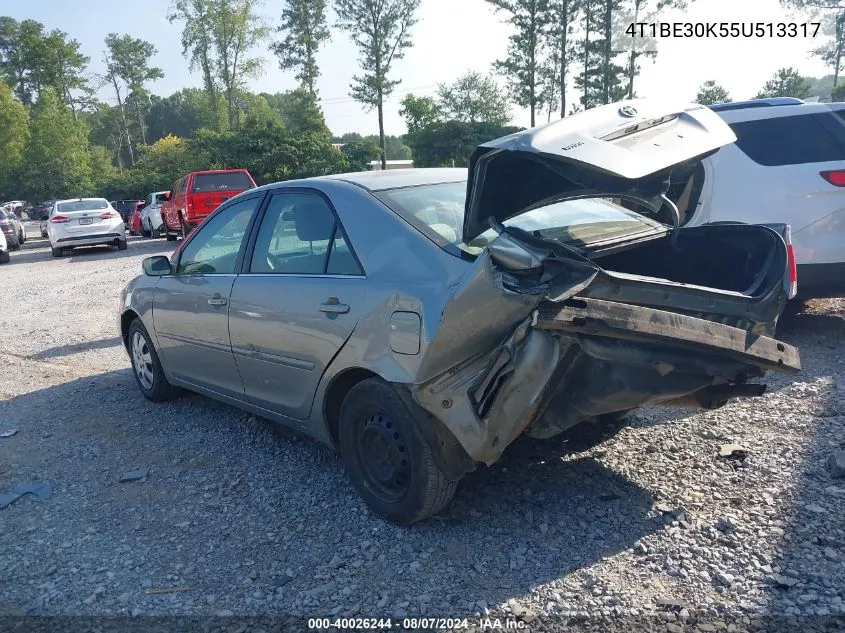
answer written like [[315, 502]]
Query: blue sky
[[453, 36]]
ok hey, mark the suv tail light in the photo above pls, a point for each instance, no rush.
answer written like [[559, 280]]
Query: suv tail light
[[59, 219], [791, 264], [835, 177]]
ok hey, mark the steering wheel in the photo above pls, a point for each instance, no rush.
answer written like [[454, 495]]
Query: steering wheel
[[274, 262]]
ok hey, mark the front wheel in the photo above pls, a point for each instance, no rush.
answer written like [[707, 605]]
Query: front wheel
[[146, 366], [388, 461]]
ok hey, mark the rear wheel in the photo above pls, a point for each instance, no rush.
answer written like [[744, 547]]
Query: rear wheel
[[57, 252], [4, 257], [184, 227], [388, 461], [121, 245], [146, 366], [171, 237]]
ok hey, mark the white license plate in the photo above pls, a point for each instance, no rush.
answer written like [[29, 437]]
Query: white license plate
[[86, 220]]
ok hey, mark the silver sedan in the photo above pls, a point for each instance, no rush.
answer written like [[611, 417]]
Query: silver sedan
[[422, 320]]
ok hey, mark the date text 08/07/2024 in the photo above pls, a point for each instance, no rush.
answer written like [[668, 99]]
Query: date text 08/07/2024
[[413, 624], [722, 29]]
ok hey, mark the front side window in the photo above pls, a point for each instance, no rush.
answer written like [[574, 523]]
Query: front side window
[[215, 247], [299, 235]]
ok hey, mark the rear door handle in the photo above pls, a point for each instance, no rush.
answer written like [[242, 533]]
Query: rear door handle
[[217, 300], [334, 306]]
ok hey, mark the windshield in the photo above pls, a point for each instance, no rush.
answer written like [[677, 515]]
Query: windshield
[[438, 212], [230, 181], [82, 205]]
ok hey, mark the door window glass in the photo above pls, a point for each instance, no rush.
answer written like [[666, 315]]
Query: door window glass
[[215, 247], [299, 235]]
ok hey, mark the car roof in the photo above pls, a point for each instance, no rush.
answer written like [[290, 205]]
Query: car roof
[[756, 109], [80, 200], [380, 180]]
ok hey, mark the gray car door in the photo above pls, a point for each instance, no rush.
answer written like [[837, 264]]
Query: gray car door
[[191, 307], [295, 304]]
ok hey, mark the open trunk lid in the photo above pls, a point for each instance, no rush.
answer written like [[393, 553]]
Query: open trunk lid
[[625, 150]]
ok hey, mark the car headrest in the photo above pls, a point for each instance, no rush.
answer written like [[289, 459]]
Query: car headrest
[[314, 222]]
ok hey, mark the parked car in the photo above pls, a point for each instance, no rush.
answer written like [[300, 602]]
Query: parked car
[[197, 194], [786, 166], [4, 249], [13, 229], [151, 220], [84, 222], [41, 212], [125, 208], [135, 219], [422, 320]]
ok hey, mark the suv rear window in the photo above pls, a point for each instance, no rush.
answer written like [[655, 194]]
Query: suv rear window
[[792, 140], [221, 182]]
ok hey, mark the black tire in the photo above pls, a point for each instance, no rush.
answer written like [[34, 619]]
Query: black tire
[[160, 390], [185, 229], [145, 233], [402, 490], [15, 246], [57, 252], [22, 237], [171, 237], [5, 257], [122, 245]]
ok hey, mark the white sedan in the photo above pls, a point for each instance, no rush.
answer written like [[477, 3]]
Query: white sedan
[[84, 222]]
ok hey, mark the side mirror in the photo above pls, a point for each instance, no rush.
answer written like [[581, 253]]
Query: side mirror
[[156, 266]]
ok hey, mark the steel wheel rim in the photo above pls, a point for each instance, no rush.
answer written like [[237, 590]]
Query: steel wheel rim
[[383, 454], [142, 361]]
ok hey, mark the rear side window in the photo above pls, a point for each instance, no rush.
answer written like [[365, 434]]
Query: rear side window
[[221, 182], [792, 140]]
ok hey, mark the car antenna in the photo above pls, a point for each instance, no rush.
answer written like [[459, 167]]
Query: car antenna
[[676, 220]]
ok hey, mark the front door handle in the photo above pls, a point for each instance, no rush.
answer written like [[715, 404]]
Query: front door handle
[[217, 300], [334, 306]]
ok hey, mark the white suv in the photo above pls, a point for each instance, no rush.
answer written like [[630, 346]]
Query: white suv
[[84, 222], [787, 166]]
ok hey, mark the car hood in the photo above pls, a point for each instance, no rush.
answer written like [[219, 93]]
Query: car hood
[[621, 150]]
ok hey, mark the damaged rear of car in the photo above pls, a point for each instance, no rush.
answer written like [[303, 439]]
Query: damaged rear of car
[[585, 297]]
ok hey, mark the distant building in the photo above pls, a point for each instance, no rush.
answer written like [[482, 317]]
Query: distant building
[[375, 165]]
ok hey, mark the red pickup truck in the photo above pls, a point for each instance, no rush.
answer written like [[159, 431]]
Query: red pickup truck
[[197, 194]]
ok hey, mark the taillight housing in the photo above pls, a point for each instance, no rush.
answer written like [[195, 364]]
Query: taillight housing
[[108, 214], [792, 264], [59, 219], [835, 177]]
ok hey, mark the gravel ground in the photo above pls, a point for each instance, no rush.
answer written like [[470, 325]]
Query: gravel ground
[[239, 517]]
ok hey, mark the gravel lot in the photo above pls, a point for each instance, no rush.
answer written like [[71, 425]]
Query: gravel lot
[[239, 517]]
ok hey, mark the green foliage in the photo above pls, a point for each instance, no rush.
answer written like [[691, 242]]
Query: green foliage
[[381, 31], [183, 114], [32, 59], [785, 83], [14, 134], [217, 37], [418, 112], [299, 111], [522, 66], [304, 29], [359, 153], [838, 93], [712, 92], [450, 143], [555, 70], [57, 159], [473, 98]]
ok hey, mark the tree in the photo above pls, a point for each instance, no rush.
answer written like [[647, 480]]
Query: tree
[[359, 153], [32, 59], [833, 14], [394, 147], [418, 112], [529, 19], [712, 92], [473, 98], [838, 93], [304, 28], [57, 160], [785, 83], [182, 114], [14, 133], [450, 143], [381, 31], [129, 61], [299, 111], [218, 36], [561, 59]]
